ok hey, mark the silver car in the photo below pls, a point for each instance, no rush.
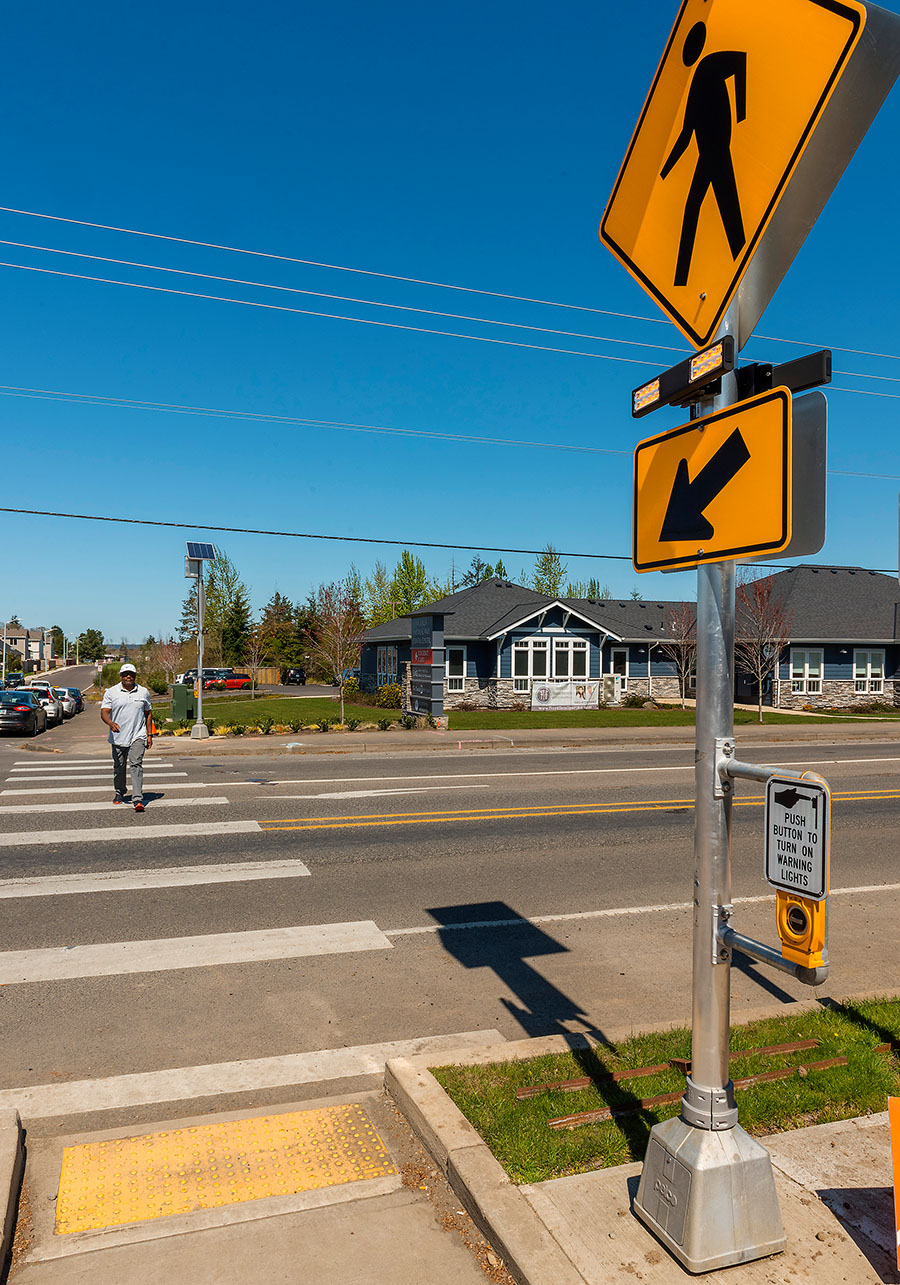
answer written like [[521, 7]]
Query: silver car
[[51, 703], [67, 700]]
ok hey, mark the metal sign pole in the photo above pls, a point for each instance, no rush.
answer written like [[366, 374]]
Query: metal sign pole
[[707, 1190]]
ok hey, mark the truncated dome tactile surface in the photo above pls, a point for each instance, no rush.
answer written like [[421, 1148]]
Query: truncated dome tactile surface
[[179, 1171]]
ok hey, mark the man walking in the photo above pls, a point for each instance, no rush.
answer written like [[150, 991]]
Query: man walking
[[126, 712]]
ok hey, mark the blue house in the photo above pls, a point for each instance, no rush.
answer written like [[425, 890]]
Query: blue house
[[842, 641], [503, 642]]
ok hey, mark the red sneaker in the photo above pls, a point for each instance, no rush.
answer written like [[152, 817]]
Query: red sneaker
[[139, 807]]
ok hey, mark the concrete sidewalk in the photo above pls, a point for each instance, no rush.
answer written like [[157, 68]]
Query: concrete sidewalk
[[432, 1204], [85, 736]]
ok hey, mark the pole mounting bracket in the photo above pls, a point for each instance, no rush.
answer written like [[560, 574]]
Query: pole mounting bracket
[[723, 788]]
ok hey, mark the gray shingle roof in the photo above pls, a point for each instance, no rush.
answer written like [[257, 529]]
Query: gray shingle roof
[[842, 604], [493, 606]]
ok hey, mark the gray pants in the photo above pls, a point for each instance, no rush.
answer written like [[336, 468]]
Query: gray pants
[[133, 755]]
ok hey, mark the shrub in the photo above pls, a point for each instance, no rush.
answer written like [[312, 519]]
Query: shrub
[[156, 681], [212, 725], [388, 696], [237, 729], [408, 722], [430, 721], [383, 724], [183, 724], [350, 686], [352, 724], [469, 705], [296, 724], [264, 724], [633, 700], [109, 674], [324, 724]]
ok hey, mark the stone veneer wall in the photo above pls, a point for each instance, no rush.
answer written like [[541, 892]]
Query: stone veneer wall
[[497, 693], [836, 693]]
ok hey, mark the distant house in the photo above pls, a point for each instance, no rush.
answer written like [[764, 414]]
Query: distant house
[[35, 646], [502, 639], [844, 639]]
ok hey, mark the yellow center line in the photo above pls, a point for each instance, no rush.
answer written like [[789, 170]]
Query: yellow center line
[[525, 812]]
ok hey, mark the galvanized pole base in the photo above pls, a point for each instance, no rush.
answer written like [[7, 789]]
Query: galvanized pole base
[[709, 1196]]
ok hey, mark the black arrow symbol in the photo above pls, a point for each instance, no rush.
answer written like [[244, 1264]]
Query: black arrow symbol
[[684, 516]]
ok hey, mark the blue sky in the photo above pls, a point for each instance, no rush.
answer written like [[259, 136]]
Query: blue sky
[[473, 145]]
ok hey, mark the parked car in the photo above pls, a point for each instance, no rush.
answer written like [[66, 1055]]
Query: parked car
[[294, 677], [237, 682], [210, 673], [75, 693], [22, 711], [212, 677], [51, 703], [15, 680], [66, 699]]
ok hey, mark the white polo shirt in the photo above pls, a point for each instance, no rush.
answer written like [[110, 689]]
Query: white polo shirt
[[129, 710]]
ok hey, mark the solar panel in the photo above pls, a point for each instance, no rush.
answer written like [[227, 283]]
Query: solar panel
[[206, 551]]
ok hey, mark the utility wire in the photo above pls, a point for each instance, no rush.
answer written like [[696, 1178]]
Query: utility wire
[[392, 276], [364, 539], [342, 298], [308, 312], [213, 412]]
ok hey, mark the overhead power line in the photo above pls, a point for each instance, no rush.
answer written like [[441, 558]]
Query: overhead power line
[[365, 539], [308, 312], [214, 412], [420, 281]]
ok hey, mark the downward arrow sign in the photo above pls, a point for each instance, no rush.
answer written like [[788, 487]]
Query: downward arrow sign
[[684, 518]]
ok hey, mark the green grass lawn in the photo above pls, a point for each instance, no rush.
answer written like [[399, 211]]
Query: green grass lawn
[[518, 1134], [509, 719], [283, 709]]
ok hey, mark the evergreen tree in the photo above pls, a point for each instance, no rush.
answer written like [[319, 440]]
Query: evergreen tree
[[91, 645], [223, 584], [59, 641], [549, 573], [597, 590], [277, 625], [236, 622], [187, 627], [500, 570], [478, 571], [636, 595]]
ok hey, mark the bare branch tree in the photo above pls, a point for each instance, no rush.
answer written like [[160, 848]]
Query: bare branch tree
[[681, 629], [339, 630], [762, 629], [169, 657], [257, 645]]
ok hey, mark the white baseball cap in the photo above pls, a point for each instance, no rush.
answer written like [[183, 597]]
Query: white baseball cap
[[128, 669]]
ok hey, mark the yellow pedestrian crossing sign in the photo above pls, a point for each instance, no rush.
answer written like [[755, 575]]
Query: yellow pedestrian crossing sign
[[737, 97]]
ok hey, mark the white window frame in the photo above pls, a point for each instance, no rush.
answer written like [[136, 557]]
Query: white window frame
[[865, 682], [572, 646], [619, 651], [383, 674], [456, 682], [800, 681], [528, 646]]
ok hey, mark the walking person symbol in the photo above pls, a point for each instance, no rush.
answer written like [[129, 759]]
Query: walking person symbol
[[708, 119]]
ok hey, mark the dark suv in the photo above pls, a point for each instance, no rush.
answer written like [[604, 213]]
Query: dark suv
[[294, 677], [15, 680]]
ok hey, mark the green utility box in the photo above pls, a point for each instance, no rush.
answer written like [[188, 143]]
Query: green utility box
[[184, 702]]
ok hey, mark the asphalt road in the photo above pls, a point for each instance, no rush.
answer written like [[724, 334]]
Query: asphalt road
[[526, 892]]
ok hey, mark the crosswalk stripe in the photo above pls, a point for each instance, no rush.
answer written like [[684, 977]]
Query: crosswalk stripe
[[116, 959], [130, 830], [137, 880], [98, 758], [63, 788], [162, 774], [64, 766], [179, 1084], [22, 809]]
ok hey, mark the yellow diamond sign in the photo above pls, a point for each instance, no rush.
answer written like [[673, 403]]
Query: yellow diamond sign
[[739, 92], [716, 489]]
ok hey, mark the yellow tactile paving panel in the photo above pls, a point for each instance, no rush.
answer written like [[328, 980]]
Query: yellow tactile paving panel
[[104, 1184]]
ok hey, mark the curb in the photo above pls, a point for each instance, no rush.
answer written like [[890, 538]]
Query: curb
[[497, 1205], [12, 1168]]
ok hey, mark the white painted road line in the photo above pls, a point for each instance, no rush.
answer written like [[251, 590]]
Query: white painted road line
[[63, 766], [94, 789], [138, 880], [17, 809], [98, 758], [161, 775], [116, 959], [248, 1076], [130, 830], [614, 913], [373, 794]]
